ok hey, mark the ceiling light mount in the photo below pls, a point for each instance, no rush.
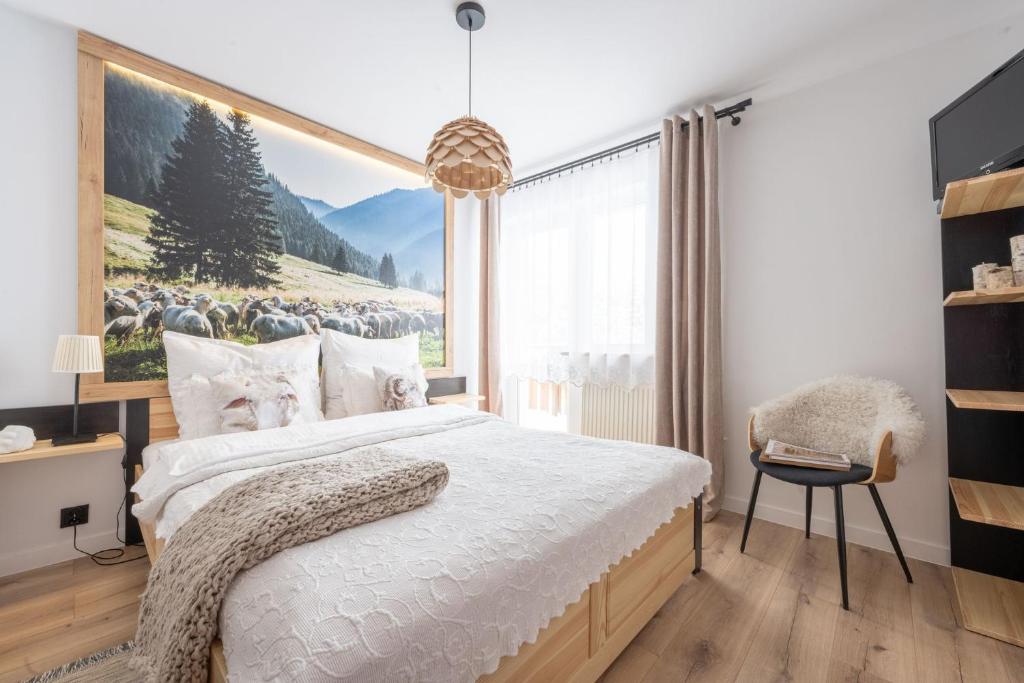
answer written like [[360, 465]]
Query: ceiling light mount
[[470, 16]]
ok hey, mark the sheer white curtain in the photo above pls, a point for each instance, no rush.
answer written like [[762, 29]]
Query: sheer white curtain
[[578, 264]]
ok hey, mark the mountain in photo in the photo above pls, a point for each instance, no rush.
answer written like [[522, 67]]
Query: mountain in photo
[[408, 224], [318, 207]]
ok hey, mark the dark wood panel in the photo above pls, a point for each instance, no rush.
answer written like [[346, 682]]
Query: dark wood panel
[[984, 547], [970, 240], [446, 386], [46, 421], [136, 438], [985, 347], [985, 445]]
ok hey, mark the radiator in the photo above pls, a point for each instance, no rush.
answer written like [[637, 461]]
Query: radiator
[[615, 413]]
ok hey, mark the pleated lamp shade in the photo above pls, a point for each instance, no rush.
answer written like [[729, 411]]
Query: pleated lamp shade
[[78, 353], [467, 155]]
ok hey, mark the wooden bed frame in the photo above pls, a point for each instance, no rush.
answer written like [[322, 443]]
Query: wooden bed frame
[[580, 644]]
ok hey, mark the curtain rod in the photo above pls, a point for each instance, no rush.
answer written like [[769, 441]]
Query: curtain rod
[[729, 111]]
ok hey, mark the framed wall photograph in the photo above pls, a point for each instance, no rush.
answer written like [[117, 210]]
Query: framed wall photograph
[[207, 212]]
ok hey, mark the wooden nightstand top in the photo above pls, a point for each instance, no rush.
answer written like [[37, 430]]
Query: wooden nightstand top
[[45, 449], [455, 398]]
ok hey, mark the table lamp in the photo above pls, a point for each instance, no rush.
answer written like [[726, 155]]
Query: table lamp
[[77, 353]]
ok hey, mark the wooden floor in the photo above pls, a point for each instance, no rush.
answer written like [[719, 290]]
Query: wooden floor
[[772, 614], [58, 614]]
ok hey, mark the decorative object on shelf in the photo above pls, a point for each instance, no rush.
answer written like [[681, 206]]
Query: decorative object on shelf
[[77, 353], [467, 155], [980, 272], [14, 438], [999, 278], [1017, 259]]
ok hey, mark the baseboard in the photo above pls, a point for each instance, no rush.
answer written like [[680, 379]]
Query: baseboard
[[826, 526], [53, 553]]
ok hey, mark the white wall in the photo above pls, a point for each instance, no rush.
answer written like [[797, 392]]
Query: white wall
[[38, 279], [832, 265]]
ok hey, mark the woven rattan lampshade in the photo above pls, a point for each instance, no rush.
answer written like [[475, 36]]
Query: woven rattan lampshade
[[78, 353], [467, 155]]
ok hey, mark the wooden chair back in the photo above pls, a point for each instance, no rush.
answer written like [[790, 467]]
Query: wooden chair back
[[883, 470]]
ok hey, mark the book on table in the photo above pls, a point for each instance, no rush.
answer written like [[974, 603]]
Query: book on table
[[780, 453]]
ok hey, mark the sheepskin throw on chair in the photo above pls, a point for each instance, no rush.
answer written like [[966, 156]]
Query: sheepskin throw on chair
[[843, 414]]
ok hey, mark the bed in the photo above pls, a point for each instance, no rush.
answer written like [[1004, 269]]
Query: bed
[[522, 570]]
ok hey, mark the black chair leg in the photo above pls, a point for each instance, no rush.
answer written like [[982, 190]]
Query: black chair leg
[[841, 542], [888, 529], [698, 532], [750, 510], [807, 517]]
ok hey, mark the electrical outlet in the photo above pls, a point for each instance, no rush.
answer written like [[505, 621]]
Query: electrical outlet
[[74, 516]]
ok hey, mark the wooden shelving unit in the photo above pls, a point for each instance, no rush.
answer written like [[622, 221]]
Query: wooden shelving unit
[[991, 605], [986, 193], [976, 399], [45, 449], [1007, 295], [984, 427], [988, 503]]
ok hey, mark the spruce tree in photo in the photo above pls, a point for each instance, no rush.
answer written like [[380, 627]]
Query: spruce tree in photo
[[418, 281], [340, 262], [190, 201], [247, 256], [388, 275]]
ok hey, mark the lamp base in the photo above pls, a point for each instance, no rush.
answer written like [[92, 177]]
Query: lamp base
[[69, 439]]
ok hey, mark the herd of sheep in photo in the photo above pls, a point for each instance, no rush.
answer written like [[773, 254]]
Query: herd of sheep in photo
[[147, 310]]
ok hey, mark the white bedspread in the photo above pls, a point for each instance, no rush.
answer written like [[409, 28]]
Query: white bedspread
[[440, 593]]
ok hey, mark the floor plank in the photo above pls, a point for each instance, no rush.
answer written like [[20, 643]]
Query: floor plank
[[794, 640], [713, 641]]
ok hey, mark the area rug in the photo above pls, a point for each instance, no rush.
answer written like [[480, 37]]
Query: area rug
[[106, 666]]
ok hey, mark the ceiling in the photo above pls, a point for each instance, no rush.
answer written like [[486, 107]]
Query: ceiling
[[553, 76]]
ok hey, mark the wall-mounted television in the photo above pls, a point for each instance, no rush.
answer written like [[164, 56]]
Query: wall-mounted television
[[982, 131]]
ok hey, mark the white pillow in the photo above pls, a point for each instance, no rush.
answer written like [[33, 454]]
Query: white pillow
[[357, 391], [341, 350], [193, 361]]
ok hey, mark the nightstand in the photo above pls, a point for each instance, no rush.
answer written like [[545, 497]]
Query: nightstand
[[468, 400], [44, 449]]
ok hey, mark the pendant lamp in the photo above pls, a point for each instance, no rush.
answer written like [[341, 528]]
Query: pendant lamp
[[467, 155]]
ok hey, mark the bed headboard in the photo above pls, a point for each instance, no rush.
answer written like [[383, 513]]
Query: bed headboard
[[162, 425]]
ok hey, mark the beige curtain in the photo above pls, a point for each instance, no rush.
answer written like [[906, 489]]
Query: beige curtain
[[489, 370], [688, 337]]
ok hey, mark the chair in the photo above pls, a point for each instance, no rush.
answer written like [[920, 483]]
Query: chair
[[861, 417]]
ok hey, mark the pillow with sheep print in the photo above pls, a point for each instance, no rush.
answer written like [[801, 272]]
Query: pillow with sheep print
[[192, 362], [340, 350], [353, 390], [251, 402], [398, 390]]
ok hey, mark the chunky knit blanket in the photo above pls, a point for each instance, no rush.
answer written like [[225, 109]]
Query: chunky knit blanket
[[248, 523]]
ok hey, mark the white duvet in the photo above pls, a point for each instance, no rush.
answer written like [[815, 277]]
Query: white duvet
[[529, 519]]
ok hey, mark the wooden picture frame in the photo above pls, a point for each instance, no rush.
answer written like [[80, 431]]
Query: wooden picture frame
[[93, 51]]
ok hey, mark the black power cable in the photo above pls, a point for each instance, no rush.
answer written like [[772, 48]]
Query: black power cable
[[104, 557]]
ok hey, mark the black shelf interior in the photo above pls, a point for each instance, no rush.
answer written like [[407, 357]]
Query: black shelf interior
[[984, 350]]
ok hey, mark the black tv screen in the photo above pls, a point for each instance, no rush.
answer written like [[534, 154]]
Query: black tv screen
[[983, 130]]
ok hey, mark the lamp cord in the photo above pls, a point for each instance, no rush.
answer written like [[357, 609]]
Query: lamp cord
[[470, 65]]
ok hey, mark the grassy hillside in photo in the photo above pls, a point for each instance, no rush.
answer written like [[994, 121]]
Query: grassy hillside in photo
[[127, 257]]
